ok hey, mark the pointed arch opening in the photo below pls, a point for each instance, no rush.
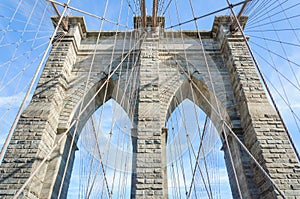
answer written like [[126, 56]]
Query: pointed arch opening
[[195, 163], [102, 165]]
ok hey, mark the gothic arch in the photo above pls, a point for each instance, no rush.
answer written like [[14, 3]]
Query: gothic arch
[[198, 93], [96, 95], [238, 91], [191, 81]]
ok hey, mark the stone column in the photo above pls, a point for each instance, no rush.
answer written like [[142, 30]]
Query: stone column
[[262, 129], [149, 171], [36, 132], [164, 138]]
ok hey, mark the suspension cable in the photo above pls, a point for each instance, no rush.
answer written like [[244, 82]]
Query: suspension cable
[[208, 14], [8, 138], [87, 13], [265, 83], [72, 124]]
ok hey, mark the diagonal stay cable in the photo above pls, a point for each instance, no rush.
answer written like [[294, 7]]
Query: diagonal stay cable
[[276, 21], [214, 94], [287, 59], [101, 162], [272, 30], [295, 116], [284, 51], [201, 138], [198, 156], [176, 150], [289, 21], [276, 41], [183, 118], [23, 41], [21, 21], [8, 138], [23, 54], [187, 136], [260, 16], [129, 5], [167, 7], [11, 20], [26, 64], [208, 14], [279, 12], [3, 78], [220, 116], [270, 95], [81, 104], [87, 13], [72, 124], [276, 70]]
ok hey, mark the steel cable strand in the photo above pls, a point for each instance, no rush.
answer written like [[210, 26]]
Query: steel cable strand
[[92, 162], [276, 21], [11, 20], [261, 75], [119, 77], [23, 54], [208, 190], [278, 55], [183, 118], [176, 151], [284, 51], [18, 44], [286, 100], [208, 14], [182, 165], [172, 130], [27, 65], [252, 21], [81, 104], [290, 24], [108, 142], [100, 166], [273, 40], [103, 18], [188, 76], [276, 70], [197, 159], [26, 96], [68, 129], [201, 142], [190, 146], [260, 11], [117, 92], [213, 88], [173, 177], [295, 116], [24, 41]]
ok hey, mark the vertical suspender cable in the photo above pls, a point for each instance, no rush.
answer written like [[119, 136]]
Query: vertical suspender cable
[[72, 124]]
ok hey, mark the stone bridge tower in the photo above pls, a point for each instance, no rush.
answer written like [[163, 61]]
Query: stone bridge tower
[[222, 81]]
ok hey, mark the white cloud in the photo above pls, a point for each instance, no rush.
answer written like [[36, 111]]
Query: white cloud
[[13, 101]]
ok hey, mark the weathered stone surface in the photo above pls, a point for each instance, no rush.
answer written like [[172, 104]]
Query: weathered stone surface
[[166, 67]]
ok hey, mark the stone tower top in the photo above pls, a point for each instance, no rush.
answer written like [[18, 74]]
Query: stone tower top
[[138, 21]]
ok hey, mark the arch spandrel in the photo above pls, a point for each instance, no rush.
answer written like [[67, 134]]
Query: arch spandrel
[[198, 93], [190, 81], [97, 93], [102, 68], [166, 79]]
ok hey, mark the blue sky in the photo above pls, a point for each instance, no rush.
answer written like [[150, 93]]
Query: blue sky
[[21, 51]]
